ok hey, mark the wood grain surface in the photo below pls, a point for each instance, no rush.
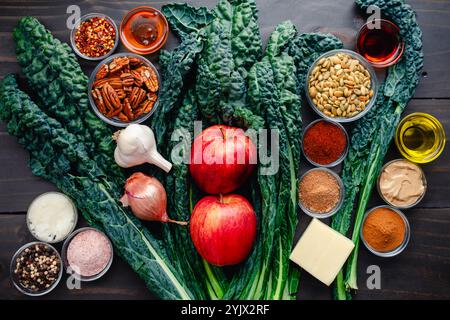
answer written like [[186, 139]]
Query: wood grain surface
[[422, 271]]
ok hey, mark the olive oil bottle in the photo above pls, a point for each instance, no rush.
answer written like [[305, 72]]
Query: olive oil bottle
[[420, 137]]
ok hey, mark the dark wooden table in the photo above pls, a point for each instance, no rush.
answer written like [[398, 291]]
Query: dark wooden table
[[422, 271]]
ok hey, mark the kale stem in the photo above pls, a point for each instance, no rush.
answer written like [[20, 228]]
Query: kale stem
[[341, 294], [351, 279]]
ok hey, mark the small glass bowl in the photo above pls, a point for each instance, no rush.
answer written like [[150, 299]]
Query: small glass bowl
[[13, 264], [75, 218], [414, 119], [424, 180], [155, 46], [397, 250], [338, 205], [373, 78], [341, 158], [115, 121], [87, 17], [66, 263], [386, 24]]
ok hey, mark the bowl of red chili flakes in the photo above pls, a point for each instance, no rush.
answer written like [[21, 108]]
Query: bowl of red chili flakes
[[94, 36]]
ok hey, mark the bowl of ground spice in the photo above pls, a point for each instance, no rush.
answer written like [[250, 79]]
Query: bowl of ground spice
[[87, 254], [321, 193], [94, 36], [385, 231], [325, 143]]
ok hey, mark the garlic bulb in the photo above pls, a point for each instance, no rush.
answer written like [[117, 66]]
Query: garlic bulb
[[136, 145]]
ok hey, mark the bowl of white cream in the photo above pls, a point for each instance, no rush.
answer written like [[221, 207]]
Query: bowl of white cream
[[51, 217]]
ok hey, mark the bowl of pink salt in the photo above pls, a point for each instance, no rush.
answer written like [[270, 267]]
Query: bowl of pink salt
[[87, 254]]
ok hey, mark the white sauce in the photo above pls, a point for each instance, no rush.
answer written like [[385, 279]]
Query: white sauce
[[51, 217]]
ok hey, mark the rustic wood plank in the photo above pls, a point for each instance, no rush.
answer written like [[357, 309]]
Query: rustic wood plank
[[427, 258]]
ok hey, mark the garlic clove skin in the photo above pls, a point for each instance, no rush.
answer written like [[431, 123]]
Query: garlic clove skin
[[156, 158], [136, 145]]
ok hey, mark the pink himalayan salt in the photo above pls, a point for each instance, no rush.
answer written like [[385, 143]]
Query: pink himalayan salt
[[89, 253]]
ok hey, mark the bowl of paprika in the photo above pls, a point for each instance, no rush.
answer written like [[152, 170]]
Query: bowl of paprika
[[325, 143], [385, 231]]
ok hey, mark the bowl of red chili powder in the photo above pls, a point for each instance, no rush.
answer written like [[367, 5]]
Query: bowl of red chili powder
[[325, 143]]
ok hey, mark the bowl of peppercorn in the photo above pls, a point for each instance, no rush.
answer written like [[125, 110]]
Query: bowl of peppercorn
[[94, 36], [36, 268]]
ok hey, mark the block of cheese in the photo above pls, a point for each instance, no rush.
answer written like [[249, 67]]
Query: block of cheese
[[322, 251]]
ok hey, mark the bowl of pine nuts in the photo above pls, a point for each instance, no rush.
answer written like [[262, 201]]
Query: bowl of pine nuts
[[341, 86]]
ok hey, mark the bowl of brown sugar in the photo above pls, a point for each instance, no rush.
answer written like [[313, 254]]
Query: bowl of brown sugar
[[321, 193]]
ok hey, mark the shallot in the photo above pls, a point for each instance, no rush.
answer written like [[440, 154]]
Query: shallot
[[147, 198]]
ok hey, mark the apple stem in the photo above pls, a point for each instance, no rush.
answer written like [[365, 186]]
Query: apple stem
[[220, 198]]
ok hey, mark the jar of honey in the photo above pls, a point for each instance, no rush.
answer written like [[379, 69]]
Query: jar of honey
[[144, 30]]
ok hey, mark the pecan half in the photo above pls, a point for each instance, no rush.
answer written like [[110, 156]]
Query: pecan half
[[118, 64], [127, 79], [135, 62], [99, 83], [121, 93], [97, 95], [137, 96], [150, 79], [123, 117], [110, 96], [102, 72], [115, 82], [127, 109], [137, 78]]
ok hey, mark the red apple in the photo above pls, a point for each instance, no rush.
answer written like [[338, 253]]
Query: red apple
[[222, 158], [223, 229]]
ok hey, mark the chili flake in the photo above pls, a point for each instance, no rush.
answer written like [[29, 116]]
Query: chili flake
[[95, 37]]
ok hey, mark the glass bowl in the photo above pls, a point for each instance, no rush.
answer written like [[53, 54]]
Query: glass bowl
[[365, 64], [15, 281], [341, 158], [397, 250], [116, 121], [387, 26], [415, 119], [66, 263], [75, 217], [87, 17], [157, 17], [338, 205], [424, 180]]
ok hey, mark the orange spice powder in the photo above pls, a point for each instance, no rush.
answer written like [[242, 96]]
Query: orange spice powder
[[384, 229]]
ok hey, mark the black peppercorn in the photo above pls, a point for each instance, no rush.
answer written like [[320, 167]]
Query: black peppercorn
[[37, 268]]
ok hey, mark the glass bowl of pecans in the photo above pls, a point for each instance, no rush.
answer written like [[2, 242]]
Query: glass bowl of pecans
[[94, 36], [123, 89], [341, 86]]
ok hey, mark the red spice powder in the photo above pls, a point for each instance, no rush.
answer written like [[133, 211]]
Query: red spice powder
[[324, 142]]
